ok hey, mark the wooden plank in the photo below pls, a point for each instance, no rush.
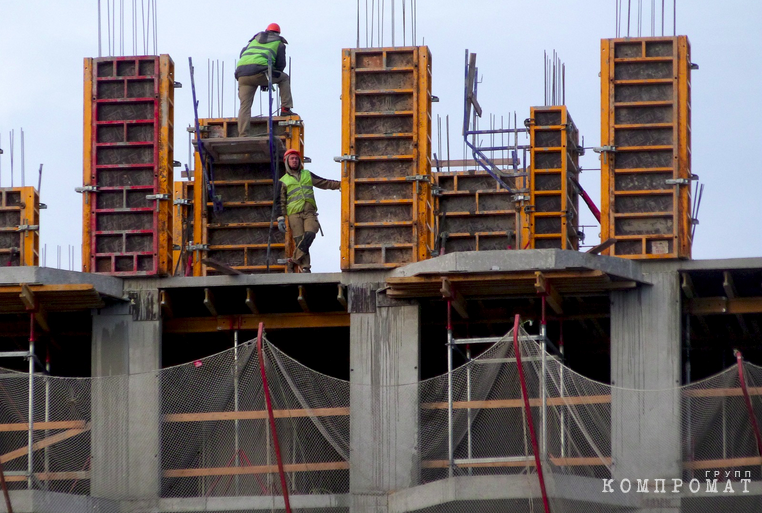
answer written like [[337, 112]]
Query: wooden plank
[[529, 461], [45, 442], [457, 300], [543, 287], [38, 426], [52, 476], [250, 322], [256, 469], [254, 415], [518, 403], [724, 305], [751, 461]]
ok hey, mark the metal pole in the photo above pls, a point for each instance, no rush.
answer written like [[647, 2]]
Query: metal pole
[[543, 384], [30, 436], [450, 450], [235, 407], [468, 391], [563, 409], [47, 415]]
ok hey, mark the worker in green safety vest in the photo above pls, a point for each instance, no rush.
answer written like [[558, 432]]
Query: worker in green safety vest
[[297, 201], [251, 73]]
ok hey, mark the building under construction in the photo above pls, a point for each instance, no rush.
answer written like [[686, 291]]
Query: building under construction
[[470, 355]]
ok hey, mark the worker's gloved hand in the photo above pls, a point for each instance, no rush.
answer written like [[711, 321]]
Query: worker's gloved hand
[[282, 224]]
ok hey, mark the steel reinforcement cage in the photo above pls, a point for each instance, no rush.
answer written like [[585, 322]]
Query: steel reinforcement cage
[[19, 226], [237, 236], [552, 218], [473, 212], [646, 157], [387, 210], [128, 163]]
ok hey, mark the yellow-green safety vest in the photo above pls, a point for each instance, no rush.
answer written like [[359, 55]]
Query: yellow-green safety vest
[[256, 53], [298, 193]]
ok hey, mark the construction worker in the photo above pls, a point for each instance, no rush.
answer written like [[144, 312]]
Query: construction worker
[[251, 73], [297, 201]]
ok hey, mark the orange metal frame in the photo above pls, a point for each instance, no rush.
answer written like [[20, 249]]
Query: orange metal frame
[[387, 208], [552, 218], [645, 91], [163, 161], [23, 202], [292, 138]]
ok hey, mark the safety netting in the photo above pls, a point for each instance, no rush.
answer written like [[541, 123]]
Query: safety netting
[[198, 436]]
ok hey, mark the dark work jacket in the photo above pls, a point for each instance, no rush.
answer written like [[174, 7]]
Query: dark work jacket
[[280, 58]]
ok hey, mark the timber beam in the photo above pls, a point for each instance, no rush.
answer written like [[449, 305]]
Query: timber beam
[[250, 322], [724, 305], [456, 299], [544, 288]]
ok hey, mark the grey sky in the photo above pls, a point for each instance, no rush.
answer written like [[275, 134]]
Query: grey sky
[[43, 42]]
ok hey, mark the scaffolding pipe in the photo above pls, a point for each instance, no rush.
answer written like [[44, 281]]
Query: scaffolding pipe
[[747, 400], [30, 436], [561, 387], [4, 485], [450, 449], [235, 408], [543, 384], [528, 410], [468, 398], [47, 415], [266, 389]]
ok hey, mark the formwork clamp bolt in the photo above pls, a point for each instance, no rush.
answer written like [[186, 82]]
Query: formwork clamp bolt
[[678, 181], [604, 149], [203, 128], [198, 247], [177, 85], [176, 163], [520, 197], [157, 197], [343, 158], [418, 178], [291, 122], [182, 201], [28, 227], [86, 188]]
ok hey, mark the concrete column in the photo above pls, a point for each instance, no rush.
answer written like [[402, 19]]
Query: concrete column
[[384, 351], [645, 362], [126, 406]]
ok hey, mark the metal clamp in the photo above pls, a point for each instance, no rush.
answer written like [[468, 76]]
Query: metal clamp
[[182, 201], [86, 188], [677, 181], [177, 85], [604, 149], [203, 128], [197, 247], [157, 197], [28, 228], [347, 158], [521, 197], [291, 122], [418, 178]]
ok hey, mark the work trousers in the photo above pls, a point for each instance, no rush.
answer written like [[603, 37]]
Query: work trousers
[[247, 87], [300, 223]]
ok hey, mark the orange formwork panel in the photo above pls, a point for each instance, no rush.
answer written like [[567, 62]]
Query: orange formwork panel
[[645, 135], [236, 237], [551, 220], [182, 227], [473, 212], [387, 208], [128, 165], [19, 226]]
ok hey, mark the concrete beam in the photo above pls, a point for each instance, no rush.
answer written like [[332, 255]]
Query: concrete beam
[[104, 285], [251, 503]]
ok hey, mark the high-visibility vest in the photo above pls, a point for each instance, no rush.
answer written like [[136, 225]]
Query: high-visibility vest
[[256, 53], [298, 193]]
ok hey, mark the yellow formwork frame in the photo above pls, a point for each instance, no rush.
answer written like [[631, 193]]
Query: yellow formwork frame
[[568, 212], [24, 201], [678, 242], [422, 233], [293, 139], [164, 162]]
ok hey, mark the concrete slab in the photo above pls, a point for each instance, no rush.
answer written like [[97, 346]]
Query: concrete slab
[[242, 280], [251, 503], [105, 285], [526, 260]]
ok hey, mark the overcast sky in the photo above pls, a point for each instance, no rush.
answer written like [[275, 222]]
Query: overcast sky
[[43, 43]]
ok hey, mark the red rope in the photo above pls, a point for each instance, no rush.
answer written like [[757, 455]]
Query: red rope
[[272, 417], [754, 425], [529, 413]]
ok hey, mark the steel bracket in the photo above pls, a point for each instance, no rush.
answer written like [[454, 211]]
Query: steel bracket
[[204, 128], [418, 178], [28, 227], [677, 181], [157, 197], [197, 247], [86, 188], [291, 122], [521, 197], [182, 201], [345, 158], [604, 149]]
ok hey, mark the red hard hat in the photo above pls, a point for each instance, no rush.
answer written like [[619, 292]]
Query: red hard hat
[[291, 152], [273, 27]]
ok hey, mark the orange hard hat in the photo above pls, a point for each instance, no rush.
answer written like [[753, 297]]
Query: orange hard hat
[[291, 152], [273, 27]]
